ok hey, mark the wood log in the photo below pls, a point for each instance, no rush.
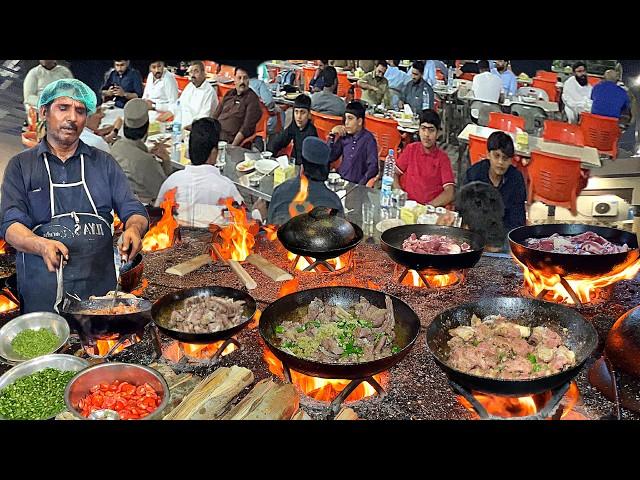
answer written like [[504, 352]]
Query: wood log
[[267, 401], [189, 266], [242, 274], [346, 414], [212, 396], [301, 415], [268, 268]]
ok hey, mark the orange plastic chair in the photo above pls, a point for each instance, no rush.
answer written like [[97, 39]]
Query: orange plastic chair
[[600, 132], [210, 67], [261, 128], [554, 180], [468, 76], [308, 74], [477, 148], [593, 80], [226, 71], [563, 132], [182, 82], [506, 122], [224, 88], [357, 93], [548, 86], [551, 76], [386, 133], [343, 84], [324, 123]]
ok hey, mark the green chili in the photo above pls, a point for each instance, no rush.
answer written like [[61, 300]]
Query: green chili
[[33, 343]]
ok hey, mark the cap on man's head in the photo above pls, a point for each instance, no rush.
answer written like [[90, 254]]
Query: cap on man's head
[[136, 113], [302, 101], [72, 88], [315, 151]]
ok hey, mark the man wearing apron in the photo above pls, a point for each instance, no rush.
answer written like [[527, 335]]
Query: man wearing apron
[[57, 202]]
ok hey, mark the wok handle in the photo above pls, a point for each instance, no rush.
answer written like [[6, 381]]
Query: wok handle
[[322, 211]]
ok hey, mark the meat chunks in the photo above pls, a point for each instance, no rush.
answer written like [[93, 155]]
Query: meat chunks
[[434, 244], [206, 314], [587, 243]]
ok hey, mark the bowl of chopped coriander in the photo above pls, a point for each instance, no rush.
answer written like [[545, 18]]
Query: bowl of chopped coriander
[[34, 390], [33, 335]]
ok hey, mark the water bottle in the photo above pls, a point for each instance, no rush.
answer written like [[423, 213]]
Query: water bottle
[[387, 180], [450, 76], [176, 134]]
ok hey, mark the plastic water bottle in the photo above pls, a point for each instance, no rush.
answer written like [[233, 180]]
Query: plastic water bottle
[[387, 180], [176, 134], [450, 76]]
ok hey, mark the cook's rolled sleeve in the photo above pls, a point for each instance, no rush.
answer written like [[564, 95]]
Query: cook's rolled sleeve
[[14, 207], [125, 203]]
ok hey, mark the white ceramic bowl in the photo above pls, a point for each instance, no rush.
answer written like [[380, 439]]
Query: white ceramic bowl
[[265, 166]]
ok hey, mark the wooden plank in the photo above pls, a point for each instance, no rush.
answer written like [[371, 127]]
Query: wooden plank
[[189, 266], [268, 268]]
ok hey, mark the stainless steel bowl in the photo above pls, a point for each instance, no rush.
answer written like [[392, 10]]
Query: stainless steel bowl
[[80, 385], [66, 363], [35, 321]]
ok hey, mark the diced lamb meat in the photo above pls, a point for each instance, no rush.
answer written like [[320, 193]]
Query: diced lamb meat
[[587, 243], [546, 337], [434, 245]]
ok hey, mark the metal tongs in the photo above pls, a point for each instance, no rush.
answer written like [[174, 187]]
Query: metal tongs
[[122, 262], [60, 286]]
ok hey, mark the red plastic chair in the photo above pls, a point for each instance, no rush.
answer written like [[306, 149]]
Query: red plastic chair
[[548, 86], [551, 76], [386, 134], [182, 82], [593, 80], [261, 128], [324, 123], [439, 74], [357, 93], [554, 180], [563, 132], [210, 67], [308, 74], [227, 71], [224, 88], [600, 132], [506, 122], [343, 84], [477, 148]]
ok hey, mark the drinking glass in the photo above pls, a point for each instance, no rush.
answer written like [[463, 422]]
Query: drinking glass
[[367, 213]]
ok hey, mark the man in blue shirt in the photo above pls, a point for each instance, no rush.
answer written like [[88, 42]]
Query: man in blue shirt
[[122, 83], [397, 80], [609, 99], [57, 203], [509, 81]]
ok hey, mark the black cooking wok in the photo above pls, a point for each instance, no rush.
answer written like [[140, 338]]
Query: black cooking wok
[[162, 308], [287, 308], [391, 242], [567, 263], [96, 324], [580, 337], [319, 234]]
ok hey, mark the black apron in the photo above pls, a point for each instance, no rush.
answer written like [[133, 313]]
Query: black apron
[[90, 269]]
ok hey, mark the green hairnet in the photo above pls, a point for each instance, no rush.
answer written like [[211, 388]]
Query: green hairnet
[[72, 88]]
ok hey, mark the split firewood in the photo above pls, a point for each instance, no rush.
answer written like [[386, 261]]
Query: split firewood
[[189, 266], [268, 268], [242, 274], [267, 401], [301, 415], [212, 396], [346, 414]]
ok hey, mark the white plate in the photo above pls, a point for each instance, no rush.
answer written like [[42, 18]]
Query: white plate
[[265, 166], [388, 223], [529, 99], [246, 166]]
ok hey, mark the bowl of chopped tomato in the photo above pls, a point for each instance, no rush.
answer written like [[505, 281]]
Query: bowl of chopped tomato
[[135, 392]]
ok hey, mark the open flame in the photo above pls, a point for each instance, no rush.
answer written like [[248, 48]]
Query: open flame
[[585, 287], [237, 238], [299, 203], [3, 245], [103, 346], [139, 291], [337, 263], [161, 235], [271, 232], [6, 304], [509, 407], [290, 286], [412, 279], [323, 389], [176, 350], [117, 223]]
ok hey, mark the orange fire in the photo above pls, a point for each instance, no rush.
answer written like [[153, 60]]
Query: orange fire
[[373, 286], [288, 287], [6, 304], [161, 235], [299, 203], [117, 223], [337, 263], [323, 389], [3, 244], [176, 350], [412, 279], [508, 407], [272, 232], [104, 345], [138, 291], [585, 287], [238, 238]]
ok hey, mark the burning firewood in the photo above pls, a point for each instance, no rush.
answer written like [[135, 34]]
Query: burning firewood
[[301, 415], [267, 401], [346, 414]]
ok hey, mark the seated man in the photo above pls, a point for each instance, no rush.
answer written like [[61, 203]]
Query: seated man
[[161, 90], [315, 166], [144, 172], [327, 101], [199, 98], [122, 83], [498, 171], [48, 71], [239, 111], [486, 86], [425, 170], [357, 146], [609, 99], [397, 80], [317, 82], [375, 88], [200, 184], [509, 81], [418, 94], [297, 131], [576, 93], [91, 133]]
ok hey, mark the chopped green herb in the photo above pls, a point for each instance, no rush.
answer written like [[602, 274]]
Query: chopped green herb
[[395, 349], [537, 367], [501, 356], [300, 329], [475, 342], [32, 343], [279, 329], [289, 344], [532, 358]]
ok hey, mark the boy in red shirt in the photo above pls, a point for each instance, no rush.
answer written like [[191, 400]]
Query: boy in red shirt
[[425, 170]]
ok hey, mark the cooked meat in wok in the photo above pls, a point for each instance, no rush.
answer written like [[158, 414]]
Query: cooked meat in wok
[[587, 243], [494, 347], [206, 314], [434, 245], [331, 334], [119, 309]]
